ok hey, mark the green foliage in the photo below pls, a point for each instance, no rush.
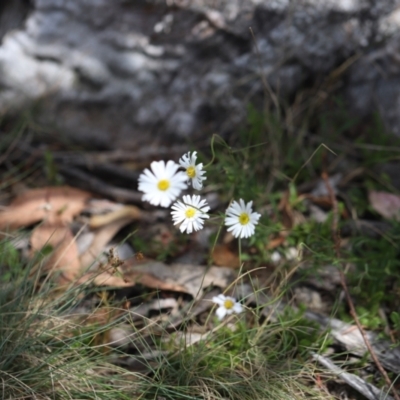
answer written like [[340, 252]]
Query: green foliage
[[395, 319], [296, 335], [370, 318], [10, 264], [377, 267]]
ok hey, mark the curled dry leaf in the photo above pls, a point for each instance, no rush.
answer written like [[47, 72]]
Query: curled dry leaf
[[56, 207], [102, 236], [130, 279], [124, 213], [385, 204], [107, 226], [53, 204]]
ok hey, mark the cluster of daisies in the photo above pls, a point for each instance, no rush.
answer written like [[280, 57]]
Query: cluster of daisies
[[163, 184]]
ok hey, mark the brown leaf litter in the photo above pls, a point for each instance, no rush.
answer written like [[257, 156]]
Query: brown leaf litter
[[53, 209], [54, 204]]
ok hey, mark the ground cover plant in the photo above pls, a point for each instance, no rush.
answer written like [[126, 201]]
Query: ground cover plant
[[220, 277]]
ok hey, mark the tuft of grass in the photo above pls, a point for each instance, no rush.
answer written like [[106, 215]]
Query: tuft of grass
[[238, 360], [39, 356]]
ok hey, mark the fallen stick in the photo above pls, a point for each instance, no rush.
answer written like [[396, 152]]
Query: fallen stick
[[366, 389]]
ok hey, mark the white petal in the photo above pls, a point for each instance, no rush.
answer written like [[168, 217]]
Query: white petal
[[234, 230], [195, 200], [158, 168], [234, 209], [186, 200], [147, 176], [171, 168], [221, 312], [237, 308], [197, 184], [198, 225], [231, 221], [178, 219], [165, 201], [219, 299], [249, 207], [185, 227], [242, 204]]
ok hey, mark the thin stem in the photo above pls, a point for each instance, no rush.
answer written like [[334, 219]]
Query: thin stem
[[240, 251], [214, 136]]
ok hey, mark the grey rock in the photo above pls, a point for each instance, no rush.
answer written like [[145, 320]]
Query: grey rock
[[129, 73], [374, 81]]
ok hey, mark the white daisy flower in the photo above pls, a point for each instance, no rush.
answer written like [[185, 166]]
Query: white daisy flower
[[240, 219], [163, 184], [194, 172], [227, 305], [190, 213]]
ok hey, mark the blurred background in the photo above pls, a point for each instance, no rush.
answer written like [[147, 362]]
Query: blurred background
[[129, 73]]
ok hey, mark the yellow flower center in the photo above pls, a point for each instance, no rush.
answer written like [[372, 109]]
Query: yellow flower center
[[189, 213], [244, 218], [191, 172], [163, 184], [228, 304]]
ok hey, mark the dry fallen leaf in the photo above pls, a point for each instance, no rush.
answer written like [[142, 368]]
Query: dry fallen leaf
[[276, 242], [102, 237], [133, 278], [286, 210], [65, 257], [385, 204], [223, 256], [53, 204], [193, 278]]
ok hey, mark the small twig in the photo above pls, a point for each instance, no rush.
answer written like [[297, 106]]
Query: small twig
[[267, 87], [365, 388], [10, 149], [86, 181], [269, 93], [337, 240]]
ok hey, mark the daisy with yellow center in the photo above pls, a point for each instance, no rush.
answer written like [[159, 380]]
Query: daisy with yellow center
[[190, 213], [241, 220], [194, 172], [163, 184], [227, 305]]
